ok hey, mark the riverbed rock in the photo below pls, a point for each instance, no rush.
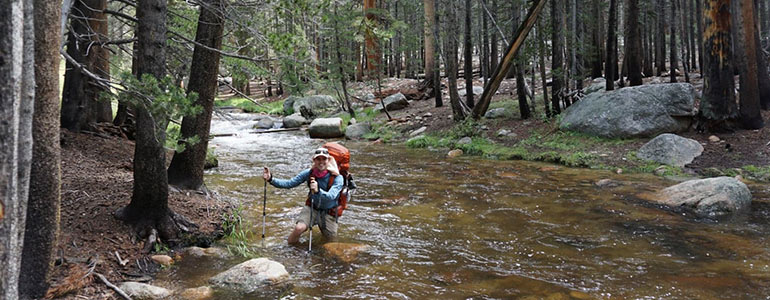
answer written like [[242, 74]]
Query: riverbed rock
[[495, 113], [607, 183], [265, 123], [163, 260], [345, 252], [199, 293], [639, 111], [670, 149], [251, 275], [710, 198], [454, 153], [294, 121], [326, 128], [477, 90], [464, 141], [138, 290], [202, 252], [316, 105], [357, 131], [394, 102]]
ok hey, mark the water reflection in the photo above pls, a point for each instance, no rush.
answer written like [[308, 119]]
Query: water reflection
[[469, 228]]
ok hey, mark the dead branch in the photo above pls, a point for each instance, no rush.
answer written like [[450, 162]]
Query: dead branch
[[241, 93], [113, 287]]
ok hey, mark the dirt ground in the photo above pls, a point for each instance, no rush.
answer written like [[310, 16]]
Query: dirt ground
[[97, 180]]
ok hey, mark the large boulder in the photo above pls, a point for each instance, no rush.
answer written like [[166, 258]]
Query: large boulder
[[598, 84], [316, 105], [639, 111], [265, 123], [251, 275], [477, 90], [670, 149], [496, 113], [395, 102], [324, 128], [358, 130], [709, 198], [138, 290], [294, 121]]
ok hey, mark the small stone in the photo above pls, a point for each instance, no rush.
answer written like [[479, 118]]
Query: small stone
[[454, 153], [607, 183], [418, 118], [739, 177], [503, 132], [464, 141], [714, 139], [427, 115], [579, 295], [353, 121], [660, 171], [163, 260], [418, 131], [139, 290], [619, 171], [199, 293]]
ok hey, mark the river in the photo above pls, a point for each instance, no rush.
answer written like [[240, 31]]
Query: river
[[481, 229]]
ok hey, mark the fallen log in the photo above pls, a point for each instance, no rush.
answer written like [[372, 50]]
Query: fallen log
[[275, 130]]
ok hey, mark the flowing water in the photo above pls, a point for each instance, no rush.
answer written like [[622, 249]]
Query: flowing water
[[473, 228]]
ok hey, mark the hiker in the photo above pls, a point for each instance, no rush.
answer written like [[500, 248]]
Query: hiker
[[323, 194]]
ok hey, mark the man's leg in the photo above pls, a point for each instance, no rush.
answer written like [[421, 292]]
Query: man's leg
[[330, 230]]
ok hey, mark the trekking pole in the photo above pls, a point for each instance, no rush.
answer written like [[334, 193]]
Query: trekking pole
[[264, 216], [310, 243]]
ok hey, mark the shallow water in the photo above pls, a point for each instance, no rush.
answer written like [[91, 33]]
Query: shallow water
[[471, 228]]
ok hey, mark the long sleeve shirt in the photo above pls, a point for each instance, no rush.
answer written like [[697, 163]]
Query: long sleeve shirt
[[327, 196]]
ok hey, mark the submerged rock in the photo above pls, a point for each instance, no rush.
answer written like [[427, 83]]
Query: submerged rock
[[326, 128], [709, 198], [249, 276], [199, 293], [671, 149], [294, 121], [346, 252], [639, 111], [201, 252], [266, 123], [138, 290]]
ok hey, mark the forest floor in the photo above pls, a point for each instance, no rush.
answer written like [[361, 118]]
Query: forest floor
[[97, 180]]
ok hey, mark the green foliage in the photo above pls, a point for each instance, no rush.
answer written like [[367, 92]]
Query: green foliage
[[237, 231], [165, 101], [384, 133], [160, 248], [467, 128], [273, 108]]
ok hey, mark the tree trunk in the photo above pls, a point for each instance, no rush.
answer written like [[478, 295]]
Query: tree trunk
[[762, 70], [484, 44], [450, 59], [42, 224], [372, 49], [718, 103], [429, 41], [689, 13], [541, 38], [648, 69], [436, 66], [699, 24], [518, 69], [81, 104], [750, 115], [612, 41], [186, 169], [672, 43], [660, 37], [684, 39], [468, 47], [634, 46], [17, 92], [557, 56], [493, 55]]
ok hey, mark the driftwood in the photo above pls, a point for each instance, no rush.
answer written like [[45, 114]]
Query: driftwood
[[275, 130], [113, 287]]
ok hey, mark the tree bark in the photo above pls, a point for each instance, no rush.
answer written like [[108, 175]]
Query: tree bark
[[762, 70], [484, 44], [541, 38], [186, 169], [428, 8], [557, 56], [660, 37], [450, 60], [42, 224], [371, 45], [468, 47], [493, 53], [17, 92], [634, 46], [750, 116], [596, 38], [436, 65], [718, 103], [699, 24], [612, 44], [518, 69], [672, 43]]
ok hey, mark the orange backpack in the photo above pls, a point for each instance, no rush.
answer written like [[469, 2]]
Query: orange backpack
[[342, 157]]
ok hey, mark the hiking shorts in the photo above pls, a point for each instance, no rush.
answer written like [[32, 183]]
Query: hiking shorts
[[329, 230]]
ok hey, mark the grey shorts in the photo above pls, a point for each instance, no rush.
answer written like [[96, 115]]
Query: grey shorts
[[329, 230]]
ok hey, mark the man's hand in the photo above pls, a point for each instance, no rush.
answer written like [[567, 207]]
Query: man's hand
[[313, 185], [266, 175]]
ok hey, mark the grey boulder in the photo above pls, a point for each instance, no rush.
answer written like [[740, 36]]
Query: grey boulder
[[670, 149], [395, 102], [265, 123], [709, 198], [495, 113], [316, 105], [639, 111], [477, 90], [294, 121], [251, 275], [357, 131], [138, 290], [326, 128]]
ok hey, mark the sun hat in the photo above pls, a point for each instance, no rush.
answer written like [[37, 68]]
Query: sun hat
[[321, 152]]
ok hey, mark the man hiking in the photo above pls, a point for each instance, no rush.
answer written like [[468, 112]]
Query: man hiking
[[323, 194]]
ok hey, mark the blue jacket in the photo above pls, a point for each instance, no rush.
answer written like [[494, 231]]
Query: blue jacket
[[327, 196]]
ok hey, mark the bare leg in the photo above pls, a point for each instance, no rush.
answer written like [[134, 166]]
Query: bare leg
[[298, 230]]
